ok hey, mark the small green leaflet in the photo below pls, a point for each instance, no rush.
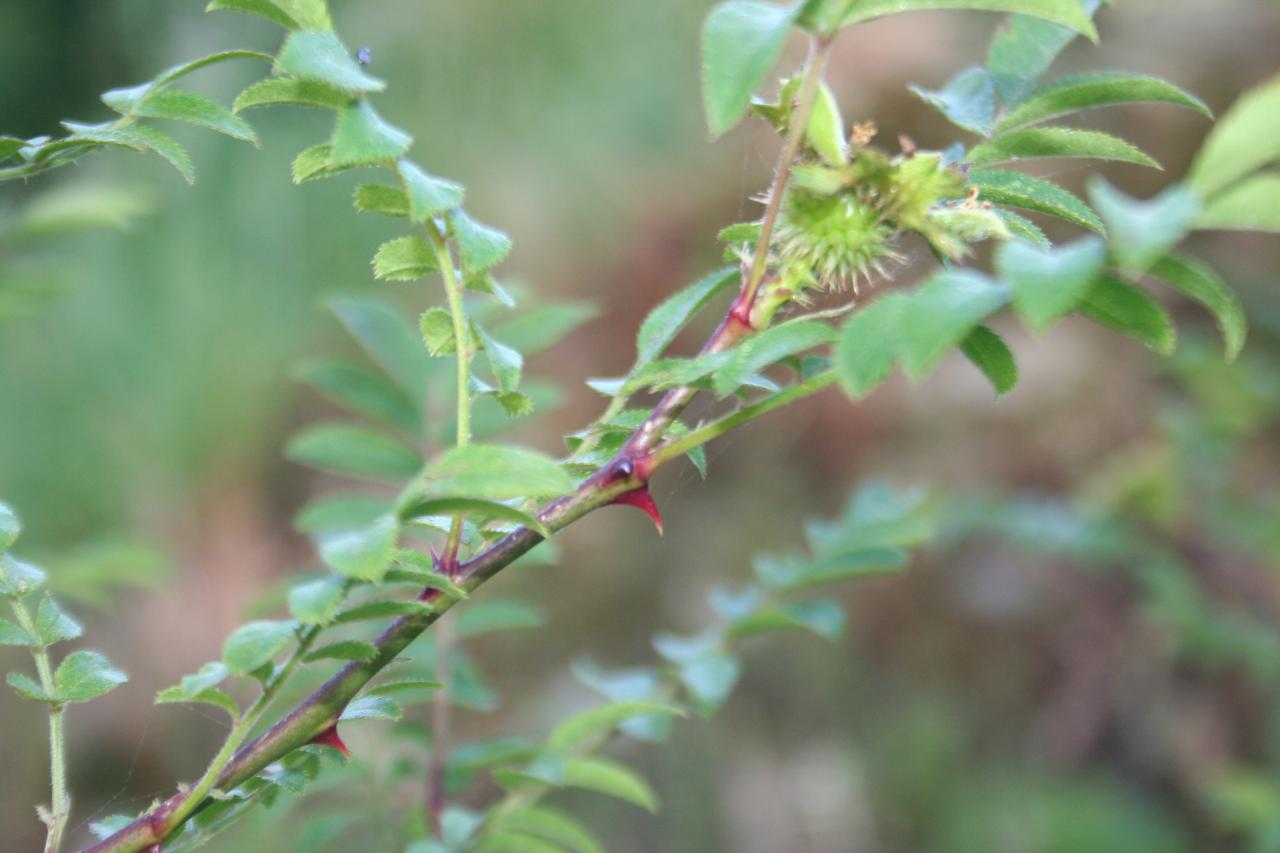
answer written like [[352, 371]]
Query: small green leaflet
[[362, 391], [504, 361], [1022, 51], [989, 353], [388, 337], [666, 320], [404, 259], [321, 57], [476, 507], [364, 553], [380, 198], [362, 138], [942, 313], [1247, 138], [253, 645], [1088, 91], [1252, 204], [1042, 142], [428, 195], [581, 729], [1049, 283], [1200, 282], [276, 91], [53, 625], [496, 472], [191, 108], [265, 8], [1001, 186], [10, 527], [609, 777], [85, 675], [355, 451], [759, 351], [316, 602], [550, 824], [343, 650], [865, 349], [968, 100], [479, 246], [1142, 231], [1121, 306], [741, 42], [825, 131], [202, 687], [19, 579], [1068, 13]]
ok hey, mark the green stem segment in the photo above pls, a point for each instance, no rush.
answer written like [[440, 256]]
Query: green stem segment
[[60, 796], [819, 53]]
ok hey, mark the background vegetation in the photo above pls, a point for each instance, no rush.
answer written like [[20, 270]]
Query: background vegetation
[[1045, 678]]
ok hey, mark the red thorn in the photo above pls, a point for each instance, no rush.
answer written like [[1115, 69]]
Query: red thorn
[[329, 737], [641, 499]]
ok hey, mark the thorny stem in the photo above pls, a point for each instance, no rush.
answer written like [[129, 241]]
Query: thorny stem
[[819, 52], [60, 797], [630, 469]]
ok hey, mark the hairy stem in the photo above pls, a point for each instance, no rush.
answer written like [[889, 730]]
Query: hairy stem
[[60, 796], [819, 52]]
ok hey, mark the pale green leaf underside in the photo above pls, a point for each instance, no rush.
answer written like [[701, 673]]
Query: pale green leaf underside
[[1068, 13]]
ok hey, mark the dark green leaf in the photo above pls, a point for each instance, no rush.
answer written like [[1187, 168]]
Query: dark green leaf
[[1041, 142], [86, 675], [1068, 13], [365, 553], [1001, 186], [1049, 283], [741, 42], [322, 58], [404, 259], [1142, 231], [10, 146], [429, 196], [990, 354], [362, 391], [354, 451], [1252, 204], [865, 349], [316, 602], [611, 778], [343, 650], [1022, 51], [363, 138], [1204, 285], [299, 93], [255, 644], [759, 351], [1087, 91], [496, 472], [941, 314], [968, 100], [479, 246], [1128, 310]]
